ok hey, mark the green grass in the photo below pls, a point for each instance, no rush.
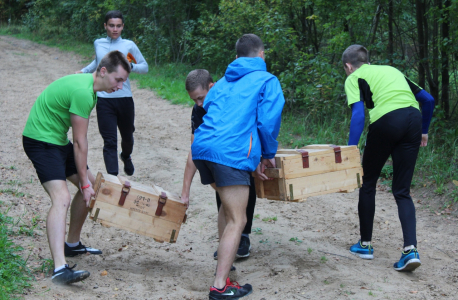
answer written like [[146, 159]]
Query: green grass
[[299, 129], [14, 273], [270, 219], [167, 81]]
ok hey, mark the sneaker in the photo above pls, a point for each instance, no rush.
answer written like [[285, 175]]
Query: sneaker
[[80, 249], [244, 247], [409, 261], [232, 290], [364, 252], [128, 165], [67, 275], [243, 251]]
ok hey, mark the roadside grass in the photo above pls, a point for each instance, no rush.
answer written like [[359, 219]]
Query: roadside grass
[[15, 276], [437, 164]]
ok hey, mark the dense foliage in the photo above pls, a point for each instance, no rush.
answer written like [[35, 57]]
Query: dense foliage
[[304, 38]]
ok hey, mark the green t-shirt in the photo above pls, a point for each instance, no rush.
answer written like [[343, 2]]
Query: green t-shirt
[[382, 88], [49, 118]]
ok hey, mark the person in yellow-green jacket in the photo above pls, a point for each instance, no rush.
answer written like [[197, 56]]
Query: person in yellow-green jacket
[[397, 128]]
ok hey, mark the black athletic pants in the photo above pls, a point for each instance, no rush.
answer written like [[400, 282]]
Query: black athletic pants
[[249, 207], [398, 133], [113, 113]]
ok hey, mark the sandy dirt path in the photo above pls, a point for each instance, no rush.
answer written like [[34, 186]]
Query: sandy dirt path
[[317, 267]]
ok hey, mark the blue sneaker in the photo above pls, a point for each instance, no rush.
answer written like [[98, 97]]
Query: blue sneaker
[[409, 261], [364, 252]]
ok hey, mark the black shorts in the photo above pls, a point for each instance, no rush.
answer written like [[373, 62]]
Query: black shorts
[[221, 175], [52, 162]]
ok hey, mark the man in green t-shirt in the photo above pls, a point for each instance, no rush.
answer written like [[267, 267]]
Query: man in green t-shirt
[[65, 103], [397, 128]]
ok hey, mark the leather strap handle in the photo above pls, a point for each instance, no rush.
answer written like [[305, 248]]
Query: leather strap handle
[[160, 203], [305, 158], [337, 153], [125, 190]]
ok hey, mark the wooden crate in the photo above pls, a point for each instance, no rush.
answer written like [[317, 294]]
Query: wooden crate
[[146, 210], [310, 171]]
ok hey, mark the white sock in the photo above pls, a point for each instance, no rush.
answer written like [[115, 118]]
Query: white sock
[[59, 268], [407, 248], [366, 243], [72, 244]]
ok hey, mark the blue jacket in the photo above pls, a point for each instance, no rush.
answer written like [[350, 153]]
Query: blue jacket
[[243, 117]]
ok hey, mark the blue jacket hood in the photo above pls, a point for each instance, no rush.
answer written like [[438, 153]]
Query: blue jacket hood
[[243, 66], [243, 117]]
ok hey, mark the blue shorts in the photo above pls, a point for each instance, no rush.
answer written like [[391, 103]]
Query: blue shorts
[[221, 175], [52, 162]]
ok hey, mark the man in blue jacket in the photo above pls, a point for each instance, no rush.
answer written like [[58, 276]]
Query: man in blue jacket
[[241, 126], [117, 109]]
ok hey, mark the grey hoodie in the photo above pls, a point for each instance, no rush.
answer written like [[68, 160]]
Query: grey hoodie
[[103, 46]]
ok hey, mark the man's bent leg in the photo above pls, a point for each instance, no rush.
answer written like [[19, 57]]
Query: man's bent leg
[[78, 211], [234, 201], [55, 223]]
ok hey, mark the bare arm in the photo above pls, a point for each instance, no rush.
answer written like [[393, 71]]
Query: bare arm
[[189, 172], [80, 148]]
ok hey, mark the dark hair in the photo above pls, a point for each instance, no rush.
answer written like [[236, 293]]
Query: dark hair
[[113, 14], [249, 45], [196, 78], [112, 60], [356, 55]]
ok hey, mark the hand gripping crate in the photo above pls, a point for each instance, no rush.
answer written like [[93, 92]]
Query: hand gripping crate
[[138, 208], [310, 171]]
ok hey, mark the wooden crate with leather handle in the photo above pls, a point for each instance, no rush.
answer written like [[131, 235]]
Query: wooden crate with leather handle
[[142, 209], [310, 171]]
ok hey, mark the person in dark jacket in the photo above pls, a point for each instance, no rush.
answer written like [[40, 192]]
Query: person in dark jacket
[[237, 136], [397, 128]]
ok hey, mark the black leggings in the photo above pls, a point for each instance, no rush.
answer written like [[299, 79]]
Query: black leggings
[[397, 133], [249, 208], [114, 113]]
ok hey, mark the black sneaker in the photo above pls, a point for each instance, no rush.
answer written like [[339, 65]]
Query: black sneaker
[[128, 165], [67, 275], [80, 249], [244, 247], [232, 290]]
